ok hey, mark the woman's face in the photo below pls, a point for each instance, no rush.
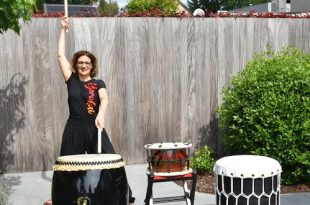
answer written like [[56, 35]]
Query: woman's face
[[84, 66]]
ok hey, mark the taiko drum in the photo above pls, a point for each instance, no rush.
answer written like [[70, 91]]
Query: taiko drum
[[89, 179], [168, 157]]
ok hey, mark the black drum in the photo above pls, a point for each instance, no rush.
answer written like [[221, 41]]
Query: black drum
[[90, 179]]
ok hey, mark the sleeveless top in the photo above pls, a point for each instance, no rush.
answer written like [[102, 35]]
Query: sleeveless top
[[83, 97]]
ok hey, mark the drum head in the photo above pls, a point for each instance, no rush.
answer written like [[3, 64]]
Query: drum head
[[168, 145], [88, 162]]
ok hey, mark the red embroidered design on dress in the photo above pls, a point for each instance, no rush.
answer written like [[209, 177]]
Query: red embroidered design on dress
[[91, 87]]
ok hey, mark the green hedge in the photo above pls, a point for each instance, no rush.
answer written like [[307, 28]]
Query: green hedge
[[203, 161], [266, 111], [153, 7]]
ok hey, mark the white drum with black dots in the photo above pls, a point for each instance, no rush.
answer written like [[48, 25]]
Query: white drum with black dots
[[247, 180]]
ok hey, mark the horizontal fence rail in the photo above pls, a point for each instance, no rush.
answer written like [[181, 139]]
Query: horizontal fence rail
[[164, 78]]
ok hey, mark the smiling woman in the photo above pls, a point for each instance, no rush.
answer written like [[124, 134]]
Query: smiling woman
[[84, 63]]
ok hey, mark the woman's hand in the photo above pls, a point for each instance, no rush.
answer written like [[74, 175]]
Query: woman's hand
[[99, 122], [64, 23]]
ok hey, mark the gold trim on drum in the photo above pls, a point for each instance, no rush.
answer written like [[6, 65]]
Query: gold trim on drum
[[88, 162]]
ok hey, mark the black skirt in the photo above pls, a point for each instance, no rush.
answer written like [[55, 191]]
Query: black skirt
[[81, 136]]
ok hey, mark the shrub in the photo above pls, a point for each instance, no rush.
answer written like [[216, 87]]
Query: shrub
[[3, 195], [11, 13], [203, 160], [266, 111], [108, 9], [149, 7]]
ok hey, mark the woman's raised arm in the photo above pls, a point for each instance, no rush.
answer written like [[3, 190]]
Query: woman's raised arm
[[63, 61]]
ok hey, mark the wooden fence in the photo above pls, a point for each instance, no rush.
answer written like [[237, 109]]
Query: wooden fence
[[164, 78]]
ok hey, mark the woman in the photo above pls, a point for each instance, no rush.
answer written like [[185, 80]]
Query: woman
[[87, 99]]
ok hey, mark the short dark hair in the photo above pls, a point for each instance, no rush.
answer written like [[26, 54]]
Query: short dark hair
[[93, 59]]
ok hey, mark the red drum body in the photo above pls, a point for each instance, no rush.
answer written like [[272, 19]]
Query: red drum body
[[92, 179], [168, 157]]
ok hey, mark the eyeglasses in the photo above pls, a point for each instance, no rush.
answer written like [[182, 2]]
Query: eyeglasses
[[81, 63]]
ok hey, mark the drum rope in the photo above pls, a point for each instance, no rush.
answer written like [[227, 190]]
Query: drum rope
[[227, 193]]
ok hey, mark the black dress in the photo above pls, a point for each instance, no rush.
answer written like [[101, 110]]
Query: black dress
[[81, 135]]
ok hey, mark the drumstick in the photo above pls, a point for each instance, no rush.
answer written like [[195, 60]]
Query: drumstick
[[66, 10], [99, 140]]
